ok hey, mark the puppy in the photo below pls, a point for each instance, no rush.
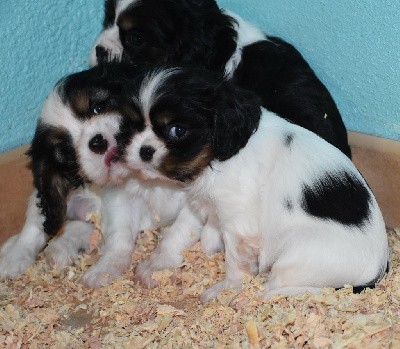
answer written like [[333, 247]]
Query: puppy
[[74, 143], [198, 33], [286, 201]]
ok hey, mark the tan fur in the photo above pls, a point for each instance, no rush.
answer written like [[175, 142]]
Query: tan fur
[[248, 250], [190, 169]]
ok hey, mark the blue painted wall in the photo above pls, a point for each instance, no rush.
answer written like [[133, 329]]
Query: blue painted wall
[[353, 45]]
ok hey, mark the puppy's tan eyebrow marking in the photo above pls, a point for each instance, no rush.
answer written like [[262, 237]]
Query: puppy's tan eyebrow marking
[[122, 5], [164, 118], [80, 103], [126, 22]]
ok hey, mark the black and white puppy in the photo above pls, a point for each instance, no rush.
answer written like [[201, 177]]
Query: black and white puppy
[[286, 201], [199, 33], [74, 143]]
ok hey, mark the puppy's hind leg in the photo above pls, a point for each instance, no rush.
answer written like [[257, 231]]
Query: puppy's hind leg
[[20, 251]]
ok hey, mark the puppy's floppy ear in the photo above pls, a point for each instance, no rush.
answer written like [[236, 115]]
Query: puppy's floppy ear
[[55, 173], [237, 115]]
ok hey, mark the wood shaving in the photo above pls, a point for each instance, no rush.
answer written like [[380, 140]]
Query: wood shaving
[[43, 309], [96, 235]]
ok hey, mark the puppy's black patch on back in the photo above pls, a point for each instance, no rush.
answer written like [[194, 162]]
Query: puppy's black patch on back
[[340, 197], [288, 86]]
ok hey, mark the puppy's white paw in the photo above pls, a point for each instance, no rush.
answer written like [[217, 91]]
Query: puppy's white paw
[[15, 258], [144, 273], [213, 291], [107, 269], [157, 261]]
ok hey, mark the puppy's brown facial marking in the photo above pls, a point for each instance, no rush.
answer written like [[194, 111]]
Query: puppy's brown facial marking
[[186, 171]]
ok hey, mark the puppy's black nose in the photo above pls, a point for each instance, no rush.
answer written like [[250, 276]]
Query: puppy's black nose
[[98, 144], [146, 152]]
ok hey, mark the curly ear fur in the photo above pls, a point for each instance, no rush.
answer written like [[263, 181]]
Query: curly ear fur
[[55, 173], [237, 116]]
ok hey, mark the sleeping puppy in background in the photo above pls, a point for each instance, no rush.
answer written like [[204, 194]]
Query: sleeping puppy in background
[[286, 201], [198, 33], [76, 143]]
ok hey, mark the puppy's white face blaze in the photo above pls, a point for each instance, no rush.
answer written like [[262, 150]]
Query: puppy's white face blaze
[[146, 169], [101, 168]]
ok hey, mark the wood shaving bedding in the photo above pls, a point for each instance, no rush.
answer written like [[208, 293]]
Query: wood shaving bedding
[[48, 309]]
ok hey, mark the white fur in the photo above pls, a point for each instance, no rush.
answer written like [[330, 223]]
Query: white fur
[[134, 207], [301, 251], [20, 251], [149, 91], [247, 34]]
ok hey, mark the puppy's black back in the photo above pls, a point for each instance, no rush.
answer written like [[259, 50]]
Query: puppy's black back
[[287, 85]]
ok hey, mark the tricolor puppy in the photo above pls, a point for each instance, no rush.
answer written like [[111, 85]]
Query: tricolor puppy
[[74, 143], [286, 201], [200, 34]]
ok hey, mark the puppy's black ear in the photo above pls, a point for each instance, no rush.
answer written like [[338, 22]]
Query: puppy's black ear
[[236, 118], [55, 173]]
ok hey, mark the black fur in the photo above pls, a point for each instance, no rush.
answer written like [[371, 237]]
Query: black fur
[[109, 13], [55, 172], [338, 197], [198, 33], [278, 73]]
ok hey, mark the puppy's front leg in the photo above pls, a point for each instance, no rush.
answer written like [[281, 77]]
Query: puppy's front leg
[[241, 258], [182, 234], [120, 227], [20, 251]]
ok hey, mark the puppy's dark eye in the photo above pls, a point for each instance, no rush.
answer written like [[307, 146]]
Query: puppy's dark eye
[[176, 132], [135, 39], [98, 108]]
